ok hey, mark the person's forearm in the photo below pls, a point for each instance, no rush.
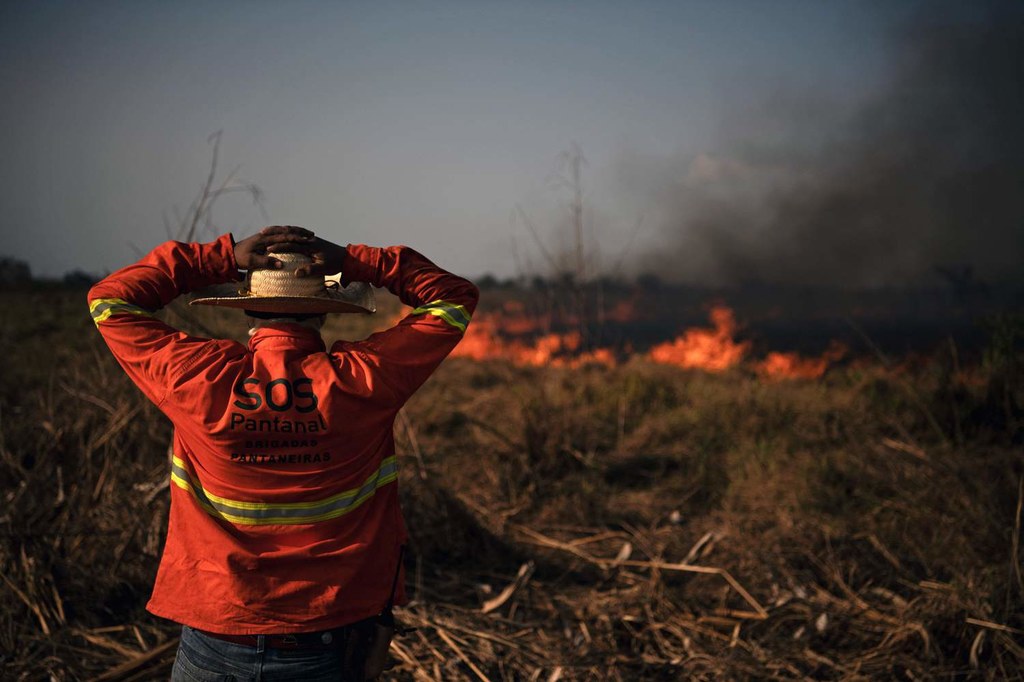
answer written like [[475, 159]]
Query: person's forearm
[[151, 352], [407, 274], [168, 271]]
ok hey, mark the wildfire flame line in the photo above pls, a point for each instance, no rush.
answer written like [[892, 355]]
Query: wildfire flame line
[[512, 335]]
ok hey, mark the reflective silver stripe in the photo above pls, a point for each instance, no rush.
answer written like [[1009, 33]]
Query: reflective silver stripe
[[102, 308], [262, 513], [452, 313]]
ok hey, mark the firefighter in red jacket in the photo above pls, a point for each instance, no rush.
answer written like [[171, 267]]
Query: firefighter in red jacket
[[285, 537]]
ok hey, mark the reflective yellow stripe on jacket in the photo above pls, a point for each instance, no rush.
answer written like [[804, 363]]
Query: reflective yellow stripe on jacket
[[102, 308], [292, 513], [452, 313]]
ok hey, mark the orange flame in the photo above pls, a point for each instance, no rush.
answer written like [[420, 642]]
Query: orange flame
[[792, 366], [486, 339], [712, 350], [514, 335]]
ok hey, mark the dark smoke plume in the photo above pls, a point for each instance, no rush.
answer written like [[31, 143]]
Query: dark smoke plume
[[927, 176]]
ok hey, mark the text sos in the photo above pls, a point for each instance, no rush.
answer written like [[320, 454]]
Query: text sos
[[278, 394]]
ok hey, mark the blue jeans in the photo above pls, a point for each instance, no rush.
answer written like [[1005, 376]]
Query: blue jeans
[[206, 659]]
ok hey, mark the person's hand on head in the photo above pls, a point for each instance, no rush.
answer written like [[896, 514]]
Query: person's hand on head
[[251, 253], [327, 258]]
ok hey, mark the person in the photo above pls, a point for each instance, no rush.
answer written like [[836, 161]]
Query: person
[[285, 538]]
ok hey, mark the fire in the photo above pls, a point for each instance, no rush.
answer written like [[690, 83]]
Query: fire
[[712, 350], [792, 366], [481, 342], [513, 334], [496, 336]]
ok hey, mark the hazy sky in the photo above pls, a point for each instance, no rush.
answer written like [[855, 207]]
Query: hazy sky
[[422, 123]]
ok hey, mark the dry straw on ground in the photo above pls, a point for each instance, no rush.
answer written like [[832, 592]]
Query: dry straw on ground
[[635, 523]]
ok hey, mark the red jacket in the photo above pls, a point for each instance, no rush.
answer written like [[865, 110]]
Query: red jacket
[[284, 507]]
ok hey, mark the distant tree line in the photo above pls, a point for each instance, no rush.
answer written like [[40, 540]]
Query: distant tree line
[[16, 274], [646, 281]]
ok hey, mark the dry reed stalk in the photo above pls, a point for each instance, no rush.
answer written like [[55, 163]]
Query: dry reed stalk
[[758, 612], [32, 606], [138, 663], [458, 652], [407, 658], [522, 577], [106, 643], [1015, 559], [994, 626]]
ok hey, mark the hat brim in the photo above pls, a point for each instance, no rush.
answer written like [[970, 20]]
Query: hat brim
[[357, 297]]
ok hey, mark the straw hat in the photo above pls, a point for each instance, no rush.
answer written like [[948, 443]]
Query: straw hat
[[280, 291]]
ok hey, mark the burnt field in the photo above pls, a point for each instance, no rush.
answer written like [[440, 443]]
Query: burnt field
[[579, 515]]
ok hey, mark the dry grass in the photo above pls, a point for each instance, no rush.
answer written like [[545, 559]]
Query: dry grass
[[866, 526]]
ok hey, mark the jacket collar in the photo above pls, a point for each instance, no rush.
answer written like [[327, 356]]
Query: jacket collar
[[285, 336]]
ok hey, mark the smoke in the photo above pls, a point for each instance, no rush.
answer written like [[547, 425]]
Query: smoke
[[927, 174]]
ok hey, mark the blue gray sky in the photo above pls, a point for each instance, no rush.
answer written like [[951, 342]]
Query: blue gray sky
[[422, 123]]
